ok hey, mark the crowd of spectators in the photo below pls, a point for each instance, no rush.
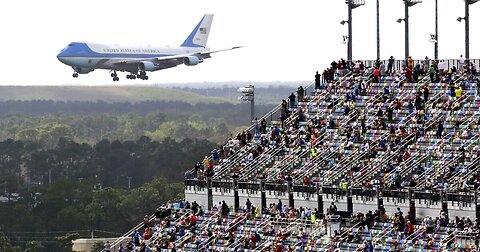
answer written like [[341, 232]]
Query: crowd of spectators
[[181, 225], [299, 131]]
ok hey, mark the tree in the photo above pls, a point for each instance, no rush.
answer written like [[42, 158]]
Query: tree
[[98, 246], [66, 241], [34, 246], [5, 245]]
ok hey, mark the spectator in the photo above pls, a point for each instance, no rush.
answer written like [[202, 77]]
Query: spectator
[[408, 74], [410, 62], [292, 101], [332, 210], [225, 209], [248, 205], [431, 71], [382, 69], [317, 81], [391, 61], [425, 93], [107, 246], [376, 74], [300, 93]]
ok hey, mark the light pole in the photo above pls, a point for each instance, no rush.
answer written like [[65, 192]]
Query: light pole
[[436, 31], [378, 29], [129, 181], [248, 95], [352, 4], [408, 3], [467, 27]]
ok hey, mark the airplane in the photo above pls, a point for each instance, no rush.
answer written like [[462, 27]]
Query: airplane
[[137, 61]]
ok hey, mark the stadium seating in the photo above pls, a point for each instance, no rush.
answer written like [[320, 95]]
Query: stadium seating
[[342, 136]]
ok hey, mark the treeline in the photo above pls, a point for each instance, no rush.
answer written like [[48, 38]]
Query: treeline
[[48, 219], [38, 107], [47, 121], [77, 186], [272, 94], [106, 163]]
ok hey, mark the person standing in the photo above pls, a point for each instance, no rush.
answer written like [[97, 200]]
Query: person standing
[[108, 247], [391, 61], [300, 93], [376, 74], [317, 81], [439, 130], [461, 63], [291, 98], [426, 93], [410, 62], [426, 64]]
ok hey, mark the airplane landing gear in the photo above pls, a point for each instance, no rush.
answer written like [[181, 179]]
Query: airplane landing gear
[[75, 75], [114, 76], [131, 76], [142, 75]]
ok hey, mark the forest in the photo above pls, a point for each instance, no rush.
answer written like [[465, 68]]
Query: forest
[[90, 122], [73, 169]]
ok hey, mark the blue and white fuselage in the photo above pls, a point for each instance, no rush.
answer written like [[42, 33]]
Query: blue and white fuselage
[[86, 57]]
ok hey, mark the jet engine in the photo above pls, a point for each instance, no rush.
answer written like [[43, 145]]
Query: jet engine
[[146, 66], [83, 70], [192, 60]]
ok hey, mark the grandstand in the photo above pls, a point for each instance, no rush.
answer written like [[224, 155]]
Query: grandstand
[[336, 169]]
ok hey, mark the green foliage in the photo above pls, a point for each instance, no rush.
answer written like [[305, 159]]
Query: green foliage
[[88, 187], [47, 134], [45, 121], [65, 241], [5, 244], [98, 246], [34, 246]]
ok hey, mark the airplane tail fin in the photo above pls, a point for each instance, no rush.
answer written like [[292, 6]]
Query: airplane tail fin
[[199, 36]]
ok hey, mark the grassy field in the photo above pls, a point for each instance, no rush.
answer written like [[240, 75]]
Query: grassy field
[[106, 94]]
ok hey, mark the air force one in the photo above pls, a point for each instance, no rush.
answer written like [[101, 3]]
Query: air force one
[[137, 61]]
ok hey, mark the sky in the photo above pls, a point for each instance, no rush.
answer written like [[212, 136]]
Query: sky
[[284, 40]]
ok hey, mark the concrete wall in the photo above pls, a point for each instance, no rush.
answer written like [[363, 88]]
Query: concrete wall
[[85, 245], [362, 204]]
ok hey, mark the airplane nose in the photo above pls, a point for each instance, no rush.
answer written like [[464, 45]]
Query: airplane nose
[[60, 58]]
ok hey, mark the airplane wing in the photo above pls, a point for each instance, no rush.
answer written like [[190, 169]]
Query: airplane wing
[[206, 54], [174, 60]]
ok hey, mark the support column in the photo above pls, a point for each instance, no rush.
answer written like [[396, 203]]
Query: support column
[[236, 198], [320, 198], [349, 50], [467, 30], [411, 200], [444, 200], [349, 200], [378, 29], [477, 208], [291, 202], [407, 52], [263, 195], [209, 194], [379, 199], [436, 31]]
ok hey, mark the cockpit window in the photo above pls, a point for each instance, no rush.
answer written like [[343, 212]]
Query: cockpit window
[[71, 44]]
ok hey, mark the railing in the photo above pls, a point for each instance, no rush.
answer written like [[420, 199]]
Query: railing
[[247, 174], [234, 246], [361, 155], [385, 158], [151, 218], [399, 63], [315, 160], [413, 236]]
